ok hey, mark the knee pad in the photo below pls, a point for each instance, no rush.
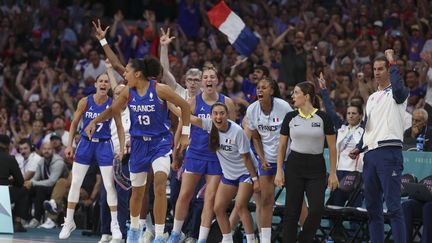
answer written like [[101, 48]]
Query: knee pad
[[138, 179], [162, 164], [108, 181], [78, 173]]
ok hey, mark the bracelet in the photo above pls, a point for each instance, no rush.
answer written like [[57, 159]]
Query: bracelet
[[186, 130], [103, 42], [255, 178]]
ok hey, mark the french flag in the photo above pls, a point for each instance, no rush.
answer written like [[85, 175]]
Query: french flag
[[239, 35]]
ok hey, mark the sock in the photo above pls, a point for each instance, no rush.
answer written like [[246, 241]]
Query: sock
[[149, 223], [178, 224], [159, 229], [134, 222], [203, 233], [265, 235], [70, 215], [143, 224], [227, 238], [250, 238], [113, 216]]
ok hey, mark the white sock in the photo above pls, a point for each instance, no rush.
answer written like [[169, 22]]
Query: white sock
[[149, 223], [227, 238], [143, 224], [159, 229], [265, 235], [113, 216], [70, 214], [250, 238], [135, 222], [178, 224], [203, 233]]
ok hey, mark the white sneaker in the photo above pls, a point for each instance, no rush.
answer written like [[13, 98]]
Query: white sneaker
[[147, 237], [67, 229], [117, 241], [105, 238], [50, 206], [115, 230], [49, 224], [190, 240], [32, 224]]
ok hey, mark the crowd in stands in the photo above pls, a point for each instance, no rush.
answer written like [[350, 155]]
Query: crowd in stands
[[50, 59]]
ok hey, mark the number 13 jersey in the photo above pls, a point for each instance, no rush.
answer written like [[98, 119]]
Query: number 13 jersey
[[148, 113]]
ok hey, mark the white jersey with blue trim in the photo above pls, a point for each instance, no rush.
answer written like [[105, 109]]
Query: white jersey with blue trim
[[268, 126], [232, 145]]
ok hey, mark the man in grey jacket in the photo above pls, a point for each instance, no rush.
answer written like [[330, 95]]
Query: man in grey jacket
[[50, 168]]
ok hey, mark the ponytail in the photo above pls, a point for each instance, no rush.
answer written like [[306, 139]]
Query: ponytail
[[214, 139]]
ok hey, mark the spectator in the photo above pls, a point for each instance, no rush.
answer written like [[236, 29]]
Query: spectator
[[293, 63], [49, 170], [59, 129], [419, 135], [11, 176], [417, 91], [37, 134], [27, 159]]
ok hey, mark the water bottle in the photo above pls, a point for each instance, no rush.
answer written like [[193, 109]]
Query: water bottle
[[420, 143], [329, 240]]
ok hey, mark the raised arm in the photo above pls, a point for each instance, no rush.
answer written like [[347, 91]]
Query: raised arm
[[278, 42], [164, 41], [100, 35], [327, 102], [110, 73], [400, 92]]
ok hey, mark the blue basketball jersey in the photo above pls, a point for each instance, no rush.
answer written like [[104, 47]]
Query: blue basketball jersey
[[148, 113], [93, 110], [198, 147]]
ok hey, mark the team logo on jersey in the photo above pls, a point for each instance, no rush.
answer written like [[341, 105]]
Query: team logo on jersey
[[276, 119], [316, 124], [228, 141], [133, 99], [91, 108], [151, 96], [202, 108]]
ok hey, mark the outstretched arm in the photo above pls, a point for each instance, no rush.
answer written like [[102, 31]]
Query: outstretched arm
[[100, 35]]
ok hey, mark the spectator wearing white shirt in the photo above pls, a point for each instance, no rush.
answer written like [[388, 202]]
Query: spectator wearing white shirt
[[27, 159]]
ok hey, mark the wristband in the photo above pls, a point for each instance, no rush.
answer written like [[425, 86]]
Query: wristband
[[255, 178], [103, 42], [186, 130]]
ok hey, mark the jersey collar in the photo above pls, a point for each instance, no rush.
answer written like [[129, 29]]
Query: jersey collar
[[307, 116]]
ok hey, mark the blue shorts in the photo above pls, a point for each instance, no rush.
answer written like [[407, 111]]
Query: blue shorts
[[242, 179], [146, 150], [88, 151], [202, 167], [269, 172]]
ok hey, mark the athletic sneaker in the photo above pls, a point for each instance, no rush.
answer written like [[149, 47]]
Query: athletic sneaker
[[50, 206], [115, 230], [32, 224], [117, 241], [133, 235], [67, 229], [201, 241], [147, 237], [176, 237], [190, 240], [49, 224], [106, 238], [159, 239]]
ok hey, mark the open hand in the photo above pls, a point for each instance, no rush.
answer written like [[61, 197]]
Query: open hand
[[165, 38], [100, 33]]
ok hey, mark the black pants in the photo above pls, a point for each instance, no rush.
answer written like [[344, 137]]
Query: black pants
[[18, 196], [303, 173], [37, 195]]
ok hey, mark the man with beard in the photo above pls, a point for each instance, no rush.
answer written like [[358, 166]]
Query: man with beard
[[293, 63], [50, 168]]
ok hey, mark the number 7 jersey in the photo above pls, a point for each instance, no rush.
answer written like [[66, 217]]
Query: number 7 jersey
[[93, 110], [148, 113]]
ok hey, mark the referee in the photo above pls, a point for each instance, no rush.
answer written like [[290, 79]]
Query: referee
[[305, 169], [382, 145]]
